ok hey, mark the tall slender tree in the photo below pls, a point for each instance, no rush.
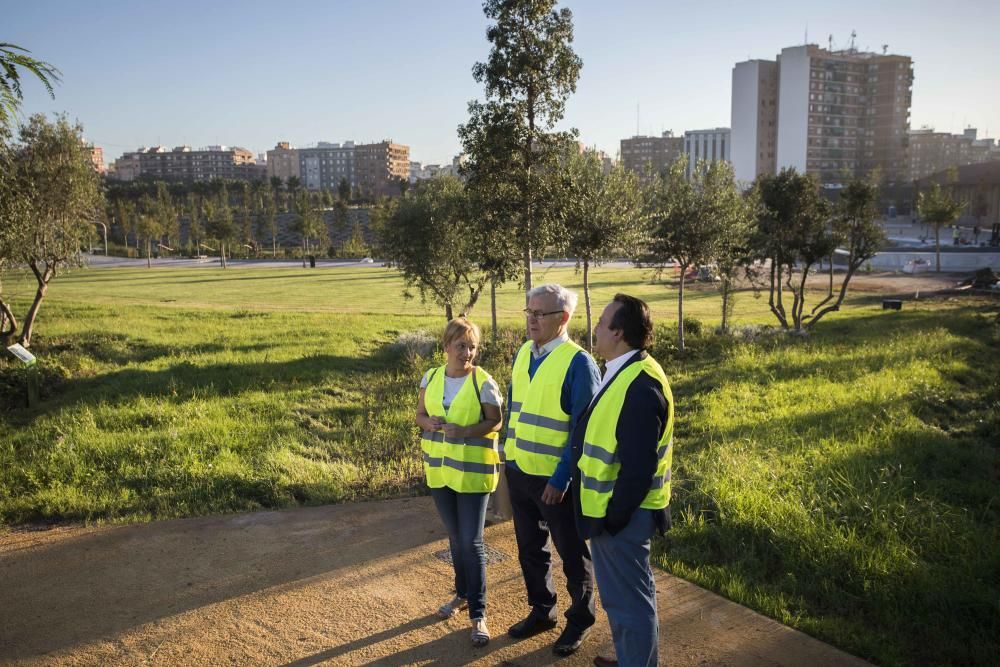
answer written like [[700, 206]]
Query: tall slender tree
[[530, 73], [14, 59], [938, 209]]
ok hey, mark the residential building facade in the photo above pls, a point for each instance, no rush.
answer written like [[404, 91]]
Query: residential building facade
[[754, 133], [641, 154], [184, 164], [931, 152], [706, 145], [283, 162], [326, 165], [379, 168], [839, 114]]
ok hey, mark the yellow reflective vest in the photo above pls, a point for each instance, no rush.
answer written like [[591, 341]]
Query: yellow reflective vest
[[465, 465], [599, 464], [538, 430]]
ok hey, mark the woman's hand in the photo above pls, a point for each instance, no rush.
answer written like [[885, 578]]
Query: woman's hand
[[455, 431]]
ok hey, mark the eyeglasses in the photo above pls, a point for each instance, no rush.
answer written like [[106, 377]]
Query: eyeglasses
[[537, 314]]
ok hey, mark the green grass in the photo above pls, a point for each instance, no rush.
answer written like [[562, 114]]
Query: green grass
[[844, 483]]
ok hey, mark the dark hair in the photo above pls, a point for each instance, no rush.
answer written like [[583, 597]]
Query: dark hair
[[634, 321]]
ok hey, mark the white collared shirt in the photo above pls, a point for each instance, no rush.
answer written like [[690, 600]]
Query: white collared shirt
[[612, 367], [548, 347]]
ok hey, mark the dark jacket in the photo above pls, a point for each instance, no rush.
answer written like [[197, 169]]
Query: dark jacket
[[640, 427]]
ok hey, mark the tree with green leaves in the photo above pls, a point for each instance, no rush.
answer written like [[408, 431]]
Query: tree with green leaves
[[690, 220], [147, 225], [855, 226], [938, 209], [430, 238], [530, 73], [167, 216], [14, 59], [344, 190], [793, 234], [219, 221], [602, 215], [193, 212], [308, 223], [50, 197]]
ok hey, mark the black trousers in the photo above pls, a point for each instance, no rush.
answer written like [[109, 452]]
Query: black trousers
[[534, 523]]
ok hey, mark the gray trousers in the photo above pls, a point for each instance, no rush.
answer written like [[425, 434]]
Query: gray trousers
[[628, 591]]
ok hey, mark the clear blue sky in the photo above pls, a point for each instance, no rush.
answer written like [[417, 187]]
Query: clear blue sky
[[252, 73]]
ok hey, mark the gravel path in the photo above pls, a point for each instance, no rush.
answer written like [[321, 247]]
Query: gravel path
[[352, 584]]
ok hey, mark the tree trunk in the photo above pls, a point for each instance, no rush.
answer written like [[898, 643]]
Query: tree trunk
[[586, 300], [493, 311], [149, 252], [447, 312], [527, 281], [8, 323], [274, 248], [304, 254], [937, 246], [42, 277], [725, 306], [680, 310], [222, 254], [830, 292]]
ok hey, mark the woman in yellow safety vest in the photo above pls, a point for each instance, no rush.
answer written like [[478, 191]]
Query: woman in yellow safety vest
[[459, 414]]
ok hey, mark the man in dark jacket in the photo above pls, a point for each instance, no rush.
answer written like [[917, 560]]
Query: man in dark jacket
[[622, 449]]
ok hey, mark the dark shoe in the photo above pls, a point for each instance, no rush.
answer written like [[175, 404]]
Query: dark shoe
[[570, 640], [601, 661], [535, 623]]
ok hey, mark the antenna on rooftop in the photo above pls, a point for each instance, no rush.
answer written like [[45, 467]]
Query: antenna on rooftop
[[885, 49], [829, 41], [854, 33], [807, 34]]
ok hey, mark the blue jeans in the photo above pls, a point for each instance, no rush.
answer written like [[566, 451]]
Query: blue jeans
[[464, 515], [628, 590]]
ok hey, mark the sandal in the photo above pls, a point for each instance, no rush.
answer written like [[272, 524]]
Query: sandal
[[452, 607], [480, 635]]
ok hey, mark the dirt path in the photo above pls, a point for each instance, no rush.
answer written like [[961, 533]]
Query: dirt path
[[345, 584]]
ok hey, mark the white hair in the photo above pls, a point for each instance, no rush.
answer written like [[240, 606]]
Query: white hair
[[566, 299]]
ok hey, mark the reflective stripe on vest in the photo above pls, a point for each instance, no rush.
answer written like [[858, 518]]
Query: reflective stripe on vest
[[465, 465], [599, 464], [538, 430]]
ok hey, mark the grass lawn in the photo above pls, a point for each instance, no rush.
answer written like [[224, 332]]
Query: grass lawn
[[845, 483]]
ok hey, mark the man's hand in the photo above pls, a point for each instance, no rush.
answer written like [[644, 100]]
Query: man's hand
[[437, 423], [551, 495], [454, 431]]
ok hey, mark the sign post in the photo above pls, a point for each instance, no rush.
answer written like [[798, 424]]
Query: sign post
[[29, 360]]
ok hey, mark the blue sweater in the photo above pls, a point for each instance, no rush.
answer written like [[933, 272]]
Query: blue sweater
[[581, 383]]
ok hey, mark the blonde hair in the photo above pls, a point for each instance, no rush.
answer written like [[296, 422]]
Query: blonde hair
[[460, 327]]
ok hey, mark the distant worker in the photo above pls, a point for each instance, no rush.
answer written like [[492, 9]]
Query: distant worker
[[459, 414], [975, 234], [956, 235]]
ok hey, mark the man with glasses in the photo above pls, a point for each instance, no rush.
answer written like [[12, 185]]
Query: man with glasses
[[552, 384]]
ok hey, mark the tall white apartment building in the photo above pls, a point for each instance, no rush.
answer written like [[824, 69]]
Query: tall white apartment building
[[835, 114]]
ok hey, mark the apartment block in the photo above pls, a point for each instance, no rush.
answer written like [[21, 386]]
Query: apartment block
[[380, 168], [283, 162], [838, 114], [324, 166], [184, 164], [754, 134], [642, 153], [707, 145], [931, 152], [96, 154]]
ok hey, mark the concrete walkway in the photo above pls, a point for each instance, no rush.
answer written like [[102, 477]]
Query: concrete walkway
[[350, 584]]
